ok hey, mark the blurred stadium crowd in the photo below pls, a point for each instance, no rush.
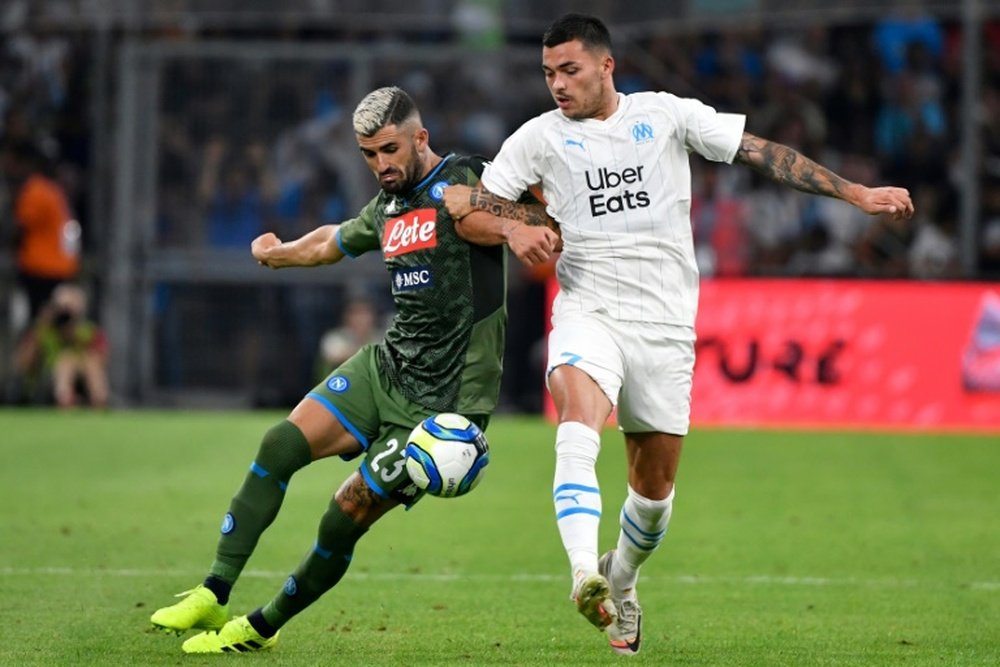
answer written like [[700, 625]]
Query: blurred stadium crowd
[[877, 98]]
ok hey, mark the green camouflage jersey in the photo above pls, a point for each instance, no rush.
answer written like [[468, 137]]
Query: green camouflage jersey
[[444, 348]]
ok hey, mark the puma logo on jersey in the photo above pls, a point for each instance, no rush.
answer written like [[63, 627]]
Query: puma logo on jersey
[[414, 231], [574, 142]]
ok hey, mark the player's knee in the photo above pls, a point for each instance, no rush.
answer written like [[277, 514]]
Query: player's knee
[[575, 440], [282, 451], [654, 488], [272, 440]]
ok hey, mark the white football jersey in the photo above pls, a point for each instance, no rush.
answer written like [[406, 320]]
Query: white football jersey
[[621, 190]]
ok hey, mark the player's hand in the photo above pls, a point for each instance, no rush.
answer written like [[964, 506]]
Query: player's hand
[[532, 244], [456, 200], [261, 246], [894, 202]]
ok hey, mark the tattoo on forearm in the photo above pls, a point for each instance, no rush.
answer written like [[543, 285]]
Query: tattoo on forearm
[[789, 167], [529, 214]]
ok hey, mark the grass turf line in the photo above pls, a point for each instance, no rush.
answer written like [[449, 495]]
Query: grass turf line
[[786, 548]]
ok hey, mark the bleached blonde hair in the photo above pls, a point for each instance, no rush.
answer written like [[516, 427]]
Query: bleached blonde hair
[[381, 107]]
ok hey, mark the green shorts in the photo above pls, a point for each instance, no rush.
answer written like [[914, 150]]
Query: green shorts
[[375, 412]]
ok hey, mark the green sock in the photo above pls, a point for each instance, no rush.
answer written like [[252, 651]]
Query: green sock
[[283, 450], [320, 570]]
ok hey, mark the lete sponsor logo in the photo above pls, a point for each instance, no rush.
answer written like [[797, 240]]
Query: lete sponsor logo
[[414, 231]]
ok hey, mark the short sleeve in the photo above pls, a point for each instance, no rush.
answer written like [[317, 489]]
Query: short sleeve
[[359, 235], [713, 135], [516, 166]]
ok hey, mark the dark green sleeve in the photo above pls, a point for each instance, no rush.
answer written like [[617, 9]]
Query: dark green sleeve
[[359, 235]]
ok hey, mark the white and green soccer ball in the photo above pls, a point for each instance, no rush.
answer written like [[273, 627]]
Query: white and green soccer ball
[[446, 455]]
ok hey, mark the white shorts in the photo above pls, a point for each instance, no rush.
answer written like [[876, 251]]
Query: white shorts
[[644, 369]]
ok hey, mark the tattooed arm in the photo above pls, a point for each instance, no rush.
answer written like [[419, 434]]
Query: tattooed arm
[[787, 166], [486, 219], [479, 198]]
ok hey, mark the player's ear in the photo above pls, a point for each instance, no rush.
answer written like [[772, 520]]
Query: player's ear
[[608, 66], [421, 138]]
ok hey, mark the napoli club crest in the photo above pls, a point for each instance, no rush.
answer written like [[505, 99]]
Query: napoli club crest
[[338, 384], [437, 190]]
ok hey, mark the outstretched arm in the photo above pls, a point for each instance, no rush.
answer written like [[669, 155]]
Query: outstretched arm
[[486, 219], [787, 166], [317, 247]]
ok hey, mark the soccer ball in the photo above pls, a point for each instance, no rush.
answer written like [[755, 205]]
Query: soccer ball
[[446, 455]]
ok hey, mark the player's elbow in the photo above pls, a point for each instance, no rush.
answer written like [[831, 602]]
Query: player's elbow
[[465, 230]]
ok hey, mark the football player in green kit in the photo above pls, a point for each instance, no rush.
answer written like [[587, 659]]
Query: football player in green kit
[[442, 353]]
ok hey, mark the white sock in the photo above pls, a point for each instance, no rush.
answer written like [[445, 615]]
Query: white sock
[[643, 525], [576, 495]]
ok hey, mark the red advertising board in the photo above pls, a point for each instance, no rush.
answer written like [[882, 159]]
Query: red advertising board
[[848, 354]]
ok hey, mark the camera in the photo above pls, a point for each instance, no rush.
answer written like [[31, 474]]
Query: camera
[[62, 317]]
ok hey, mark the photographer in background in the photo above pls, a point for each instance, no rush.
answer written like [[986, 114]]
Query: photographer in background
[[64, 353], [359, 326], [48, 235]]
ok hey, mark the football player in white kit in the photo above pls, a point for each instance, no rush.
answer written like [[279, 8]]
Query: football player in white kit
[[614, 172]]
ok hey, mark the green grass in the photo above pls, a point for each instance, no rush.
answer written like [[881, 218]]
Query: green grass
[[785, 549]]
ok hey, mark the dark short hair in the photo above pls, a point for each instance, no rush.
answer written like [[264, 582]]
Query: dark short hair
[[590, 30], [382, 107]]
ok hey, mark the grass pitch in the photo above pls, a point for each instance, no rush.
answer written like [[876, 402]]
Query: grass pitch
[[785, 549]]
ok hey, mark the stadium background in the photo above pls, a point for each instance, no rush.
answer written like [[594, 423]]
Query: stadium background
[[183, 128]]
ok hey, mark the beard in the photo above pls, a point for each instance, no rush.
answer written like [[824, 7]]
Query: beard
[[406, 176], [401, 184]]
